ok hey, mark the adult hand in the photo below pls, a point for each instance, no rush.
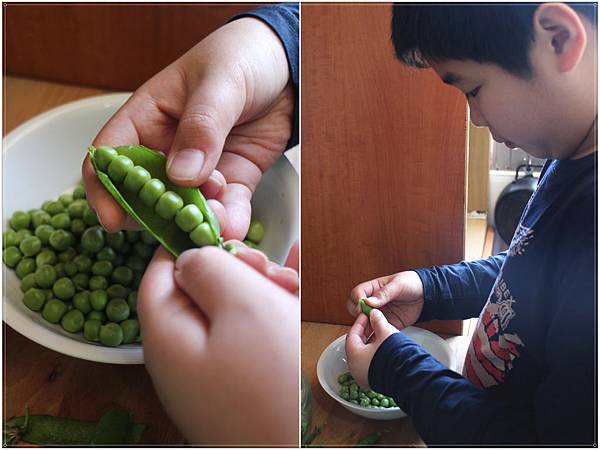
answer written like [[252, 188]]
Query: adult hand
[[360, 350], [398, 296], [221, 342], [222, 113]]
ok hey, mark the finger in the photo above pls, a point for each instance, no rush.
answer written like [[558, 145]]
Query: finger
[[380, 325], [110, 214], [388, 290], [220, 213], [355, 339], [214, 186], [208, 116], [236, 201], [218, 282], [166, 313], [293, 258]]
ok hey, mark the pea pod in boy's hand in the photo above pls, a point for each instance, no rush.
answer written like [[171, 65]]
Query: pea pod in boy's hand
[[178, 217]]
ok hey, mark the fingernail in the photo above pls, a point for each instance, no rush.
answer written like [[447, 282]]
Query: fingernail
[[186, 164]]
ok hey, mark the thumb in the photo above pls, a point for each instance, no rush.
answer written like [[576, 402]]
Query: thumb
[[211, 110], [379, 323], [386, 294]]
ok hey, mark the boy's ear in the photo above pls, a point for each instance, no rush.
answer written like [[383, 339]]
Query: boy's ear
[[560, 30]]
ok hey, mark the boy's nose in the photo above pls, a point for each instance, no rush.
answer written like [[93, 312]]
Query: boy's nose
[[476, 116]]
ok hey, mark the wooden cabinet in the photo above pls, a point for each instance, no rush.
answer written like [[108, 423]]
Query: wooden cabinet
[[383, 160]]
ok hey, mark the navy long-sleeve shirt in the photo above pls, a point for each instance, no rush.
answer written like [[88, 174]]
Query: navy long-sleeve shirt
[[531, 369]]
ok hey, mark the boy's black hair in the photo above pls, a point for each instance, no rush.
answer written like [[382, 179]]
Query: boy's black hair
[[486, 33]]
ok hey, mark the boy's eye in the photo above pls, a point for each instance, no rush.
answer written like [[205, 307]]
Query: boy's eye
[[473, 93]]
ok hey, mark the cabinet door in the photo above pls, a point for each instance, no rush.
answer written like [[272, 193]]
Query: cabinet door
[[383, 160]]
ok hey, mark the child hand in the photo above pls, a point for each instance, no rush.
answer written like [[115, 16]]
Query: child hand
[[398, 296], [222, 113], [221, 345], [359, 351]]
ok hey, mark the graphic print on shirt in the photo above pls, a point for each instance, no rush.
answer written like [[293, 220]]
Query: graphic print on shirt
[[520, 240], [492, 350]]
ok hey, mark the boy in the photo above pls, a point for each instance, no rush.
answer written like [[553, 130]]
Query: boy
[[529, 74]]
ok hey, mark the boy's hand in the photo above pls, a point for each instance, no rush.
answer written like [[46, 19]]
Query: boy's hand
[[359, 352], [221, 345], [222, 113], [398, 296]]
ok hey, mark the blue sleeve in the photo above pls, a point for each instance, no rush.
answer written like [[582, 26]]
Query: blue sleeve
[[284, 19], [458, 291]]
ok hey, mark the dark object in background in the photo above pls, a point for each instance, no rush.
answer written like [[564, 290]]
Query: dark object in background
[[512, 202]]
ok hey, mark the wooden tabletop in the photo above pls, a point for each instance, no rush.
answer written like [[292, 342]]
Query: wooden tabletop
[[52, 383]]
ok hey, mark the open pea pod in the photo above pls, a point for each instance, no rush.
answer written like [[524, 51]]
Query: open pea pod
[[166, 231]]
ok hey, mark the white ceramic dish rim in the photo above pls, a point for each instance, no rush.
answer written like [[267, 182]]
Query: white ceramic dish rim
[[350, 405]]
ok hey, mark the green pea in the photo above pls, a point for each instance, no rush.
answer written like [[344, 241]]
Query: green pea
[[371, 394], [72, 321], [384, 402], [102, 268], [132, 301], [98, 300], [45, 276], [117, 310], [151, 192], [61, 239], [392, 402], [78, 226], [96, 315], [131, 330], [132, 236], [136, 178], [111, 334], [147, 238], [117, 291], [118, 261], [64, 288], [54, 310], [45, 257], [67, 255], [49, 294], [98, 282], [81, 301], [24, 267], [104, 156], [28, 282], [189, 218], [365, 402], [12, 256], [202, 235], [81, 281], [122, 275], [40, 218], [34, 299], [77, 208], [168, 205], [116, 241], [83, 263], [65, 199], [92, 239], [380, 397], [118, 168], [79, 192], [256, 232], [345, 396], [91, 330], [30, 246], [135, 263], [374, 402], [106, 254], [70, 268], [9, 239], [143, 250], [250, 244], [61, 221], [60, 270], [89, 217], [20, 220], [23, 234], [43, 232], [54, 207]]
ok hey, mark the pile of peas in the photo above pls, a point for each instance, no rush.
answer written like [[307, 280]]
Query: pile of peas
[[353, 393], [76, 274]]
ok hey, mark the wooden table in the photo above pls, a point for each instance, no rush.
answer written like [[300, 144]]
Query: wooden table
[[52, 383], [340, 426]]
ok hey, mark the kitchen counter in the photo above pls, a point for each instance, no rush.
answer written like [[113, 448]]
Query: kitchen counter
[[52, 383]]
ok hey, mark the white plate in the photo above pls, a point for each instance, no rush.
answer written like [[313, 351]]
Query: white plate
[[42, 159], [332, 363]]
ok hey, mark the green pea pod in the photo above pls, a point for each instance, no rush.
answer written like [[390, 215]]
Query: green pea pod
[[366, 309], [370, 440], [116, 427], [165, 231]]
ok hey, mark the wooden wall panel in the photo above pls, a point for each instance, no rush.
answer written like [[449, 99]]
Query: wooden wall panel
[[383, 159], [478, 175], [115, 46]]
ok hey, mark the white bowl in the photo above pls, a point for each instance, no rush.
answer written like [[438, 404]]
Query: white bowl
[[332, 363], [42, 159]]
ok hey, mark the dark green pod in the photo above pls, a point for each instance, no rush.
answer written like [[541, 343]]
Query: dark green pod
[[167, 232], [366, 309]]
